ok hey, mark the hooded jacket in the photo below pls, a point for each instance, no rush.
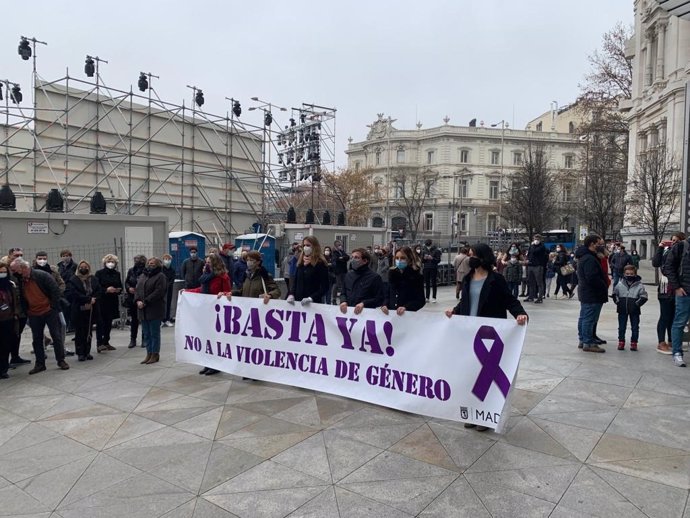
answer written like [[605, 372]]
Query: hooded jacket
[[591, 287], [629, 295]]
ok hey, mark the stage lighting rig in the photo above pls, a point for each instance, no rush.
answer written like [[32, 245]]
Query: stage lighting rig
[[16, 94], [199, 98], [24, 49], [236, 108], [89, 67], [143, 82]]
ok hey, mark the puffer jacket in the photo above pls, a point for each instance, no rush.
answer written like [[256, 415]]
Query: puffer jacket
[[592, 287], [629, 295], [678, 276], [663, 290], [254, 287]]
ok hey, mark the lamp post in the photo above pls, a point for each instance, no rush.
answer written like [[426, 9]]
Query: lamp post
[[267, 108], [500, 179]]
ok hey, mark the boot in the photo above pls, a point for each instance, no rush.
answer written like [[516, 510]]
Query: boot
[[146, 360], [132, 343], [154, 358], [621, 345], [633, 346]]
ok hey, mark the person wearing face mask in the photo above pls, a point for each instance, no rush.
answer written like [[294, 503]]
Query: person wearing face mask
[[192, 268], [41, 263], [170, 275], [9, 319], [537, 257], [383, 267], [110, 286], [405, 290], [328, 255], [592, 291], [462, 267], [431, 257], [513, 274], [562, 280], [83, 291], [629, 295], [258, 282], [363, 288], [665, 296], [67, 267], [340, 261], [485, 293], [310, 283], [149, 297], [239, 272], [131, 281]]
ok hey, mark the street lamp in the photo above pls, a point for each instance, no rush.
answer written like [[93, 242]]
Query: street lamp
[[500, 180]]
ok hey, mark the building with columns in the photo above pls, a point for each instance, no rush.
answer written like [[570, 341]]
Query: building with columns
[[470, 169], [656, 113]]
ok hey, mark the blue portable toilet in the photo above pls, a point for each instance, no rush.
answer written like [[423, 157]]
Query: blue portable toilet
[[180, 243], [265, 244]]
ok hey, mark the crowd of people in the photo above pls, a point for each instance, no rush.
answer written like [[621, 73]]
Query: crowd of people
[[74, 296]]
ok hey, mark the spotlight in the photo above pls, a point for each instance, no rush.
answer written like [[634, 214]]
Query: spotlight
[[89, 67], [24, 49], [292, 122], [326, 218], [143, 82], [16, 94], [309, 220], [199, 98], [54, 202], [302, 117], [236, 108], [291, 215], [98, 203], [268, 119], [7, 198], [341, 219]]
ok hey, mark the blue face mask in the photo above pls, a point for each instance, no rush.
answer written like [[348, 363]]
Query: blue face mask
[[400, 264]]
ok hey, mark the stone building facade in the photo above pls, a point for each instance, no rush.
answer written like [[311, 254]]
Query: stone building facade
[[471, 167]]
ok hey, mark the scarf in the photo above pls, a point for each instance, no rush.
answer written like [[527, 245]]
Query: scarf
[[205, 281], [45, 268]]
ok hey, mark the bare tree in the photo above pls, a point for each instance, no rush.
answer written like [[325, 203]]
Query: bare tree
[[412, 191], [351, 191], [657, 191], [532, 201]]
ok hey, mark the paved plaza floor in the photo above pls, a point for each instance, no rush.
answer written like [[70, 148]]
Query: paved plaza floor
[[589, 435]]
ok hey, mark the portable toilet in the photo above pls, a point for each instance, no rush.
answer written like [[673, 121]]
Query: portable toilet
[[264, 243], [180, 243]]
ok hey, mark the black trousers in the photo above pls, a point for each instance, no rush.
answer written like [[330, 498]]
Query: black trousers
[[133, 324], [8, 341], [14, 347], [667, 312], [168, 303], [37, 325], [430, 279], [104, 325], [82, 332]]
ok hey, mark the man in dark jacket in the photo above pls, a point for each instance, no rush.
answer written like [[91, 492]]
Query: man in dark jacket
[[227, 254], [339, 261], [592, 290], [363, 288], [677, 269], [431, 256], [537, 257], [619, 261], [191, 270], [42, 297]]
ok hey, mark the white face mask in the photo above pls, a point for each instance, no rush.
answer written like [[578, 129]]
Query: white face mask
[[110, 265], [3, 275], [167, 262], [307, 250], [41, 262]]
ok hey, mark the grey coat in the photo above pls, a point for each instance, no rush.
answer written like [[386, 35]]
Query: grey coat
[[152, 291], [630, 297]]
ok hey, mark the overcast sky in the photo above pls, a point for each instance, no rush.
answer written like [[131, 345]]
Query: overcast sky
[[411, 59]]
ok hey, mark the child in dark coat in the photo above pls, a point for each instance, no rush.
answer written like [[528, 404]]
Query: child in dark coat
[[629, 295]]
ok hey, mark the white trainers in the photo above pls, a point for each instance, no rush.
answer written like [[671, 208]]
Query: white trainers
[[678, 360], [168, 324], [433, 301]]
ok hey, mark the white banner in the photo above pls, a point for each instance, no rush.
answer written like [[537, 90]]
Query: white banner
[[461, 369]]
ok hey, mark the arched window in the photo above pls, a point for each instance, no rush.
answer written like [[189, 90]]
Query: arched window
[[571, 127], [377, 222]]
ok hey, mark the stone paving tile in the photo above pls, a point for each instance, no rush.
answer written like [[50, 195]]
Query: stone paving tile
[[323, 505], [458, 500], [273, 503], [352, 505], [308, 456], [345, 454], [502, 502], [423, 445], [463, 446], [578, 441]]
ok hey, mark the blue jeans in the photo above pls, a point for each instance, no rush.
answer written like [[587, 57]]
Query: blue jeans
[[589, 316], [679, 321], [513, 288], [616, 278], [151, 333], [634, 325]]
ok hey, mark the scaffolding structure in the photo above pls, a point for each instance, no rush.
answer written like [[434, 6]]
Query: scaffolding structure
[[207, 173]]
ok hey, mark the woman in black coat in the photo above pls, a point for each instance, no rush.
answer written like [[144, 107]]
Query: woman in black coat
[[149, 297], [405, 284], [83, 291], [310, 282], [110, 282]]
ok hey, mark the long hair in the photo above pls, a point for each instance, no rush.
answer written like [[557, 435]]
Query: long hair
[[217, 264], [316, 253], [484, 253], [412, 258]]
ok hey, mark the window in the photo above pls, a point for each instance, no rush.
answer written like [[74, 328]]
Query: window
[[495, 157], [430, 156], [400, 156], [571, 127], [491, 223], [430, 188], [493, 189], [378, 158], [463, 188], [428, 222], [539, 126], [358, 164], [463, 222], [399, 189], [567, 192], [464, 156], [568, 161], [377, 222], [517, 158]]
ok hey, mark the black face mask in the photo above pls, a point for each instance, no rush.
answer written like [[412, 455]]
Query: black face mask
[[475, 262], [83, 271], [601, 249], [152, 271]]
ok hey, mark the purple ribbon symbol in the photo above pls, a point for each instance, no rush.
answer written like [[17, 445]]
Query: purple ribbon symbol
[[491, 363]]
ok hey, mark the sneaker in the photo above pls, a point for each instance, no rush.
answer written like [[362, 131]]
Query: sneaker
[[102, 348], [211, 372], [621, 345], [664, 348], [539, 301], [592, 348], [433, 301], [677, 360], [169, 324], [109, 347], [69, 352], [63, 365], [633, 346]]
